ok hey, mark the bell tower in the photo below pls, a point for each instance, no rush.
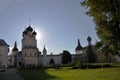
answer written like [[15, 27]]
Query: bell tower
[[14, 54], [30, 51]]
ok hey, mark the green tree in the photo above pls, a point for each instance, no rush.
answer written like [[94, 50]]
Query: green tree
[[52, 62], [104, 49], [106, 15], [66, 57]]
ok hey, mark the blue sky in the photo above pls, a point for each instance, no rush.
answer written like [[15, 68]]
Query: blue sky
[[60, 23]]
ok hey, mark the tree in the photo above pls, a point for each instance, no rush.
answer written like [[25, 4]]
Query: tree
[[104, 49], [66, 57], [106, 15], [52, 62]]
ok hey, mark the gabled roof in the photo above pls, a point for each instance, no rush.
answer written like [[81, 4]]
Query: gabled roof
[[3, 43]]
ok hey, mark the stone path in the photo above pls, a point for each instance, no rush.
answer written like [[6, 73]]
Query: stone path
[[10, 74]]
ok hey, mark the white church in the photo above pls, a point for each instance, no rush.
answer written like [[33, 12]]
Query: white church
[[30, 54]]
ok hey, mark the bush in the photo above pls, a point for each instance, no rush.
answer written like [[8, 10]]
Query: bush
[[91, 66], [107, 65]]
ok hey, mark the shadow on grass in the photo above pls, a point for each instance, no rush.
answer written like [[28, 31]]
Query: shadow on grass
[[40, 74]]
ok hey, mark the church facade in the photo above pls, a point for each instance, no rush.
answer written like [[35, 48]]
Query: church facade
[[4, 49], [30, 54]]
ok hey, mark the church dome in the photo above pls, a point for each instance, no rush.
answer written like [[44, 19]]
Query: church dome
[[89, 38], [79, 47], [34, 33], [29, 28], [25, 32], [15, 47]]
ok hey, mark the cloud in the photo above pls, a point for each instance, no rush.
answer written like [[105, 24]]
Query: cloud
[[14, 1]]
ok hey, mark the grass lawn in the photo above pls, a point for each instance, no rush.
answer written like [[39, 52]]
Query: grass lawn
[[72, 74]]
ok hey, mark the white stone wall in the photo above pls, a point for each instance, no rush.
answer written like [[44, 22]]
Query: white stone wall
[[4, 55], [45, 60], [30, 56], [79, 51], [29, 42], [31, 60]]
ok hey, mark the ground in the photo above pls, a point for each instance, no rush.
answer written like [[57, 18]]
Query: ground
[[10, 74], [72, 74], [63, 73]]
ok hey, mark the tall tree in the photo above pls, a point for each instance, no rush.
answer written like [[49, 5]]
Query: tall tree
[[106, 15], [66, 57]]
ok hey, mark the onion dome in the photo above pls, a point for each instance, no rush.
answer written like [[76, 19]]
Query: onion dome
[[79, 47], [89, 38], [34, 33], [29, 28], [15, 47], [25, 32]]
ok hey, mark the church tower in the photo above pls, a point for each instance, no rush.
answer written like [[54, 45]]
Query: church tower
[[44, 52], [79, 48], [89, 40], [30, 51], [14, 54], [90, 53]]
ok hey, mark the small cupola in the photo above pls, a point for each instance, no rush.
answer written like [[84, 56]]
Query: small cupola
[[79, 47], [89, 38], [44, 51], [29, 28], [25, 32], [34, 33], [15, 47]]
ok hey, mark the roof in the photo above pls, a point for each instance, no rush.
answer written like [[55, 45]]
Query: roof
[[29, 28], [3, 43], [15, 47], [79, 47]]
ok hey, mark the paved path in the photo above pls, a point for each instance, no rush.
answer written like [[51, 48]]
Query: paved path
[[10, 74]]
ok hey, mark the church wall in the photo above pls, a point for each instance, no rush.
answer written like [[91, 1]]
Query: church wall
[[4, 57], [45, 60], [29, 52], [79, 52], [31, 60], [30, 56], [29, 43]]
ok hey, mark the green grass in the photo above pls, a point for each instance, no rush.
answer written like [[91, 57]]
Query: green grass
[[72, 74]]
